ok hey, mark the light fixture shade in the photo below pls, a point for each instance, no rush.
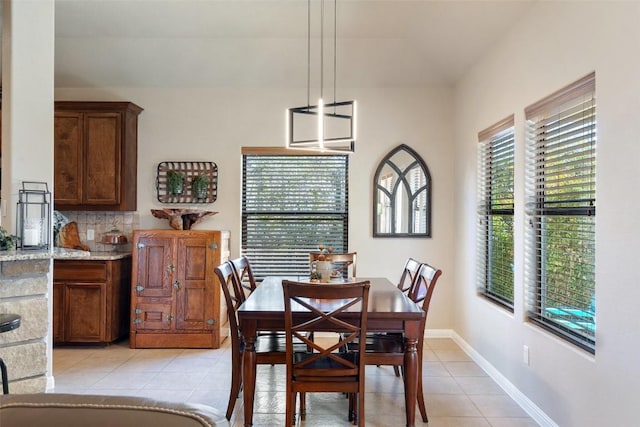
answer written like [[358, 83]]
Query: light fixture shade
[[322, 127]]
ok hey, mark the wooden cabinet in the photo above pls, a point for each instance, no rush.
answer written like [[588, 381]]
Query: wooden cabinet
[[95, 155], [175, 295], [90, 300]]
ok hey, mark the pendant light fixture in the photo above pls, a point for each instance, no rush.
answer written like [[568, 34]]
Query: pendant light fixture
[[326, 126]]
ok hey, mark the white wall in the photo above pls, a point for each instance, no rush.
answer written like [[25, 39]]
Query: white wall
[[27, 111], [213, 125], [557, 44], [27, 82]]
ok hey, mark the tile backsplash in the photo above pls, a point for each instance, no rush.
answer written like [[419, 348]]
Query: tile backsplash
[[101, 222]]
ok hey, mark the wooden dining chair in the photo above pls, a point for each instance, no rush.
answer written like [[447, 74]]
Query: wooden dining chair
[[421, 294], [406, 282], [341, 262], [407, 279], [324, 368], [409, 273], [388, 349], [268, 349], [244, 272]]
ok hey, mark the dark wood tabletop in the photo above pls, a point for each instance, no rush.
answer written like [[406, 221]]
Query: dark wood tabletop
[[385, 301], [389, 311]]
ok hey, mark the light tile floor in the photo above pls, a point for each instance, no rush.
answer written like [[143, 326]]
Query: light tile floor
[[457, 392]]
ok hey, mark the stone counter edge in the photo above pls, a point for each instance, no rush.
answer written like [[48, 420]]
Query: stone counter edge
[[59, 253]]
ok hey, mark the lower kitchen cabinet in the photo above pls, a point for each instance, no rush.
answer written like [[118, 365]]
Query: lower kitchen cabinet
[[90, 300], [175, 295]]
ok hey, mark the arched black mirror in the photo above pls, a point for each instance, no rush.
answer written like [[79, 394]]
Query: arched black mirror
[[402, 195]]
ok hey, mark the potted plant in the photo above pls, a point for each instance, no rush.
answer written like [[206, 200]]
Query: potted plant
[[175, 183], [7, 241], [200, 186]]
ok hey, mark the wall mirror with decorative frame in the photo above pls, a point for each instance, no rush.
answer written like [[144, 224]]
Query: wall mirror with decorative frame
[[402, 195]]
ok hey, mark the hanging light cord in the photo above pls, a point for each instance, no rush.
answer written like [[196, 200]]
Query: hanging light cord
[[335, 49], [321, 49], [308, 54]]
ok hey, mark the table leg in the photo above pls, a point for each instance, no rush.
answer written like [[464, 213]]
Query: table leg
[[249, 376], [411, 373]]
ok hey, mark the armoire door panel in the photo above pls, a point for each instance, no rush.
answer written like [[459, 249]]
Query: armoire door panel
[[155, 316], [155, 267]]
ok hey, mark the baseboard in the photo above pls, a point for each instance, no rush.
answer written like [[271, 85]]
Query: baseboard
[[520, 398], [51, 383]]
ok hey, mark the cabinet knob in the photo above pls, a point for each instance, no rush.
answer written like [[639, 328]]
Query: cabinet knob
[[138, 311], [140, 245], [137, 321], [213, 246], [139, 288], [211, 321], [176, 284], [169, 318], [171, 268]]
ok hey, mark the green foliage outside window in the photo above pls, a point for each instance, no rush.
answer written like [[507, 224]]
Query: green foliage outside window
[[500, 280]]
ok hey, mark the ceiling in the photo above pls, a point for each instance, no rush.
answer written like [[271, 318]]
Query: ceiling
[[263, 43]]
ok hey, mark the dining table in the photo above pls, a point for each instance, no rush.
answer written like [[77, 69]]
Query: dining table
[[389, 310]]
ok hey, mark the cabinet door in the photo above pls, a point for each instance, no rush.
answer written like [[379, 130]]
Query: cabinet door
[[152, 315], [58, 312], [194, 290], [153, 266], [67, 158], [103, 150], [85, 306]]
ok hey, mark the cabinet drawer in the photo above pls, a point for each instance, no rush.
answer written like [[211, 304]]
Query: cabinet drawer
[[156, 315], [86, 271]]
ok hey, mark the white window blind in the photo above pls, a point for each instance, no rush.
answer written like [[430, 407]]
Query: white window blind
[[561, 212], [290, 205], [495, 212]]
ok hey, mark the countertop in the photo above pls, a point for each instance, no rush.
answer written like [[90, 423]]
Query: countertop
[[92, 256], [61, 253]]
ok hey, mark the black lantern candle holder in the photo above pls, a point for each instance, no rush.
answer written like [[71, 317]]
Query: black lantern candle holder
[[34, 216]]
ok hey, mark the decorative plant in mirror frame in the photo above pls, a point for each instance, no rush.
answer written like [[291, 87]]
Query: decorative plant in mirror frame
[[402, 195]]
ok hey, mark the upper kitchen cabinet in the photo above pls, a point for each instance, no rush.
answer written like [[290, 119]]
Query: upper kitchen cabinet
[[95, 155]]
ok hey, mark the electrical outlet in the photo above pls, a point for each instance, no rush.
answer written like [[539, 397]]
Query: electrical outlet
[[525, 355], [90, 235]]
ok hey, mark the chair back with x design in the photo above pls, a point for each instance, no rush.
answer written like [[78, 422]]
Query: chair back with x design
[[323, 368], [243, 270], [409, 273], [424, 284]]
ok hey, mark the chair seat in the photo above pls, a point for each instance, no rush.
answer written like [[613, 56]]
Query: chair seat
[[9, 322], [332, 366], [381, 343], [276, 342], [385, 343], [273, 346]]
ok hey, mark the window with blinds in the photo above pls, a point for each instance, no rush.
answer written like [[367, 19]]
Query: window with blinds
[[561, 213], [495, 213], [290, 204]]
